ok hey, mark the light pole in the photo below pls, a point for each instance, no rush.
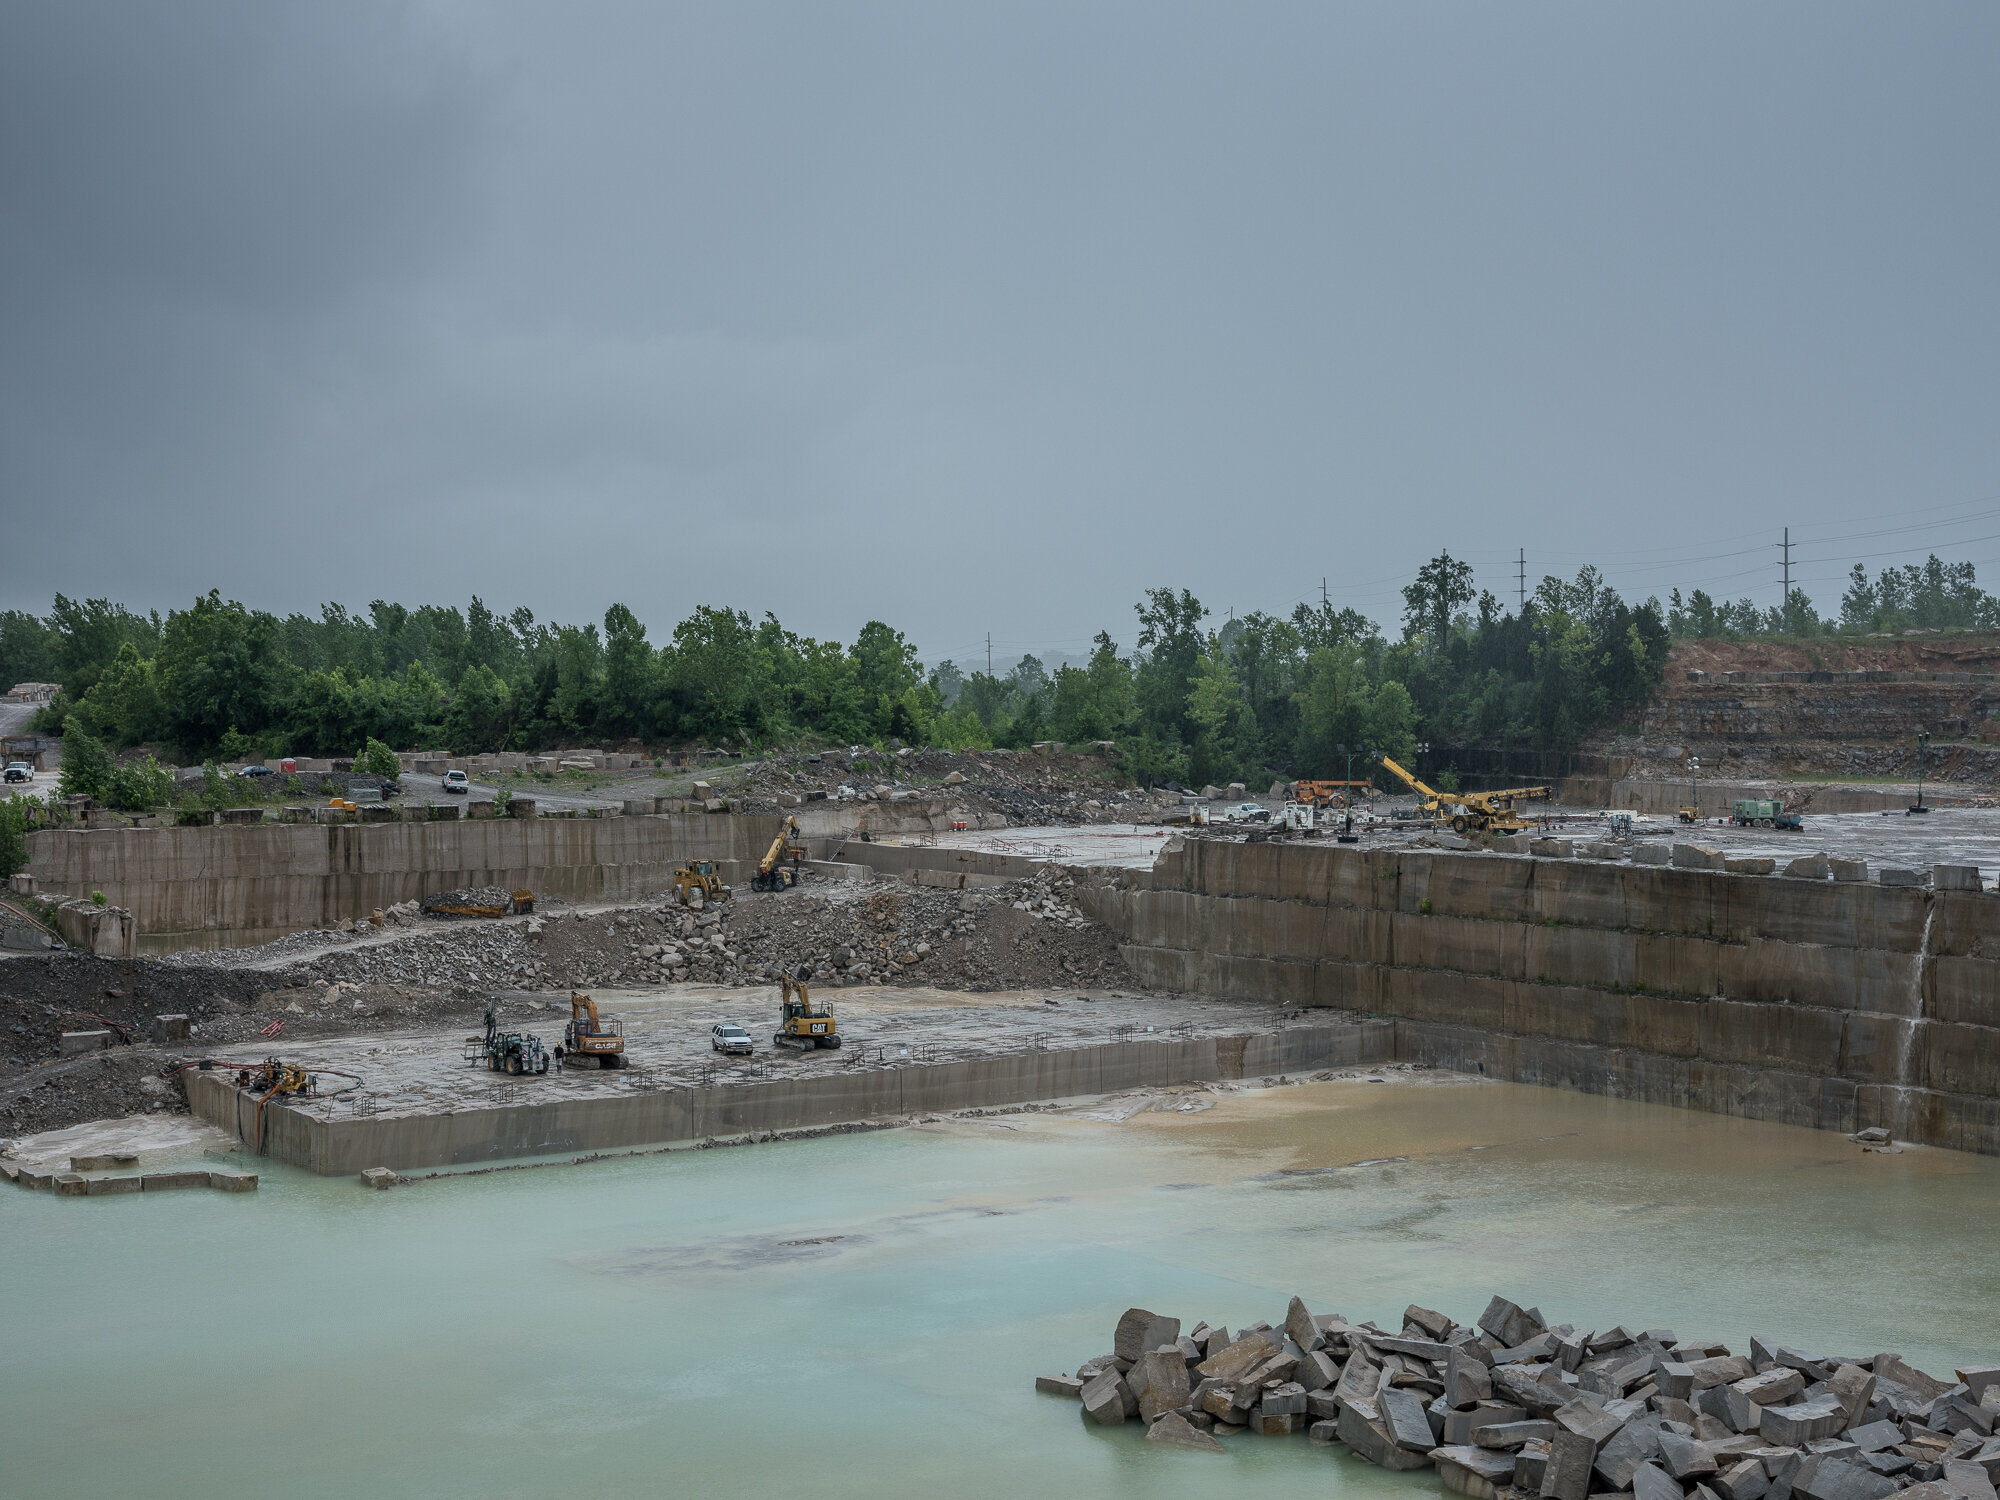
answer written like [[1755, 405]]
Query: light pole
[[1347, 793], [1923, 747], [1694, 787]]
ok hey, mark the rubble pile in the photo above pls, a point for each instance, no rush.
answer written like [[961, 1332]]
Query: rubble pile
[[1023, 933], [1517, 1407], [1024, 787]]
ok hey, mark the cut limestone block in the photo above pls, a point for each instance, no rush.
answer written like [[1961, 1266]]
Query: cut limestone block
[[1479, 1473], [1175, 1431], [161, 1182], [1140, 1332]]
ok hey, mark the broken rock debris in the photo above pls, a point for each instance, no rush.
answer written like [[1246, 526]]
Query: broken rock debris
[[1514, 1406]]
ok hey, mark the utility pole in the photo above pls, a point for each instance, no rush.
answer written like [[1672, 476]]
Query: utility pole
[[989, 653], [1521, 580], [1323, 601], [1786, 547]]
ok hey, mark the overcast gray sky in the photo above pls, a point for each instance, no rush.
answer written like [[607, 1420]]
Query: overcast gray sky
[[985, 318]]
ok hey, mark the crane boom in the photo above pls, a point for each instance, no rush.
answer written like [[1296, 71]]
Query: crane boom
[[1411, 782], [772, 873], [1480, 811]]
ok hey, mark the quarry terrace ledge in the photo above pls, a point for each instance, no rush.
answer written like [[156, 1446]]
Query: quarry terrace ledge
[[1836, 1005], [410, 1136]]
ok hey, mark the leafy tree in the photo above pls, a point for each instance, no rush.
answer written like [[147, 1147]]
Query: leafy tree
[[86, 764], [13, 836], [139, 786], [125, 705], [631, 676], [1442, 586], [477, 718], [377, 759], [1170, 635], [88, 634], [219, 667], [27, 649]]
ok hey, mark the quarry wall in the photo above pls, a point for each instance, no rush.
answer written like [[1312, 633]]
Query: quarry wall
[[233, 886], [1814, 1003]]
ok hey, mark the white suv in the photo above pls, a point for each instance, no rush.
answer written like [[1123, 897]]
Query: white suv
[[726, 1038], [454, 781]]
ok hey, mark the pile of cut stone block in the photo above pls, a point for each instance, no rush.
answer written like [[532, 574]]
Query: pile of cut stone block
[[1515, 1407]]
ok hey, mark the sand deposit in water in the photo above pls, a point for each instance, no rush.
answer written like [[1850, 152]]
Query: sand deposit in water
[[865, 1314]]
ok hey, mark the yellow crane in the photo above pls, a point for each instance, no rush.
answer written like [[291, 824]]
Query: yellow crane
[[1472, 812], [773, 874]]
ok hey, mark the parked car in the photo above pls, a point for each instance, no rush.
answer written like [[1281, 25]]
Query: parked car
[[726, 1038], [454, 781], [20, 770], [255, 771], [1246, 812]]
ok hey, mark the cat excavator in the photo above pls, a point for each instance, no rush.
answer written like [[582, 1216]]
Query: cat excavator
[[803, 1022], [773, 873], [1471, 812]]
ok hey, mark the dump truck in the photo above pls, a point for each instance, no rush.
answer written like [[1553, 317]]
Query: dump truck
[[1768, 812], [773, 872], [1471, 812], [590, 1036], [803, 1022]]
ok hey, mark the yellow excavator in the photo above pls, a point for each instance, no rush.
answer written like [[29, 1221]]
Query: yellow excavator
[[589, 1035], [1472, 812], [803, 1022], [773, 873]]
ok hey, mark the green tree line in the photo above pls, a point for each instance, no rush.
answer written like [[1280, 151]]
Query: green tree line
[[1188, 700], [1931, 595]]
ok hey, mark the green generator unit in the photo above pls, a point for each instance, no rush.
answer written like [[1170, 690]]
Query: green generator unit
[[1753, 812]]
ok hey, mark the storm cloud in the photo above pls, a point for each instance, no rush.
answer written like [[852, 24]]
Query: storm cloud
[[983, 319]]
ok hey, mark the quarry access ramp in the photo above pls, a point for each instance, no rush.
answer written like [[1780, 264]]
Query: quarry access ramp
[[1838, 1005]]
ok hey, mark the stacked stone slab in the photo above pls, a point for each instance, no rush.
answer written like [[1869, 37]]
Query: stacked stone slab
[[1513, 1406]]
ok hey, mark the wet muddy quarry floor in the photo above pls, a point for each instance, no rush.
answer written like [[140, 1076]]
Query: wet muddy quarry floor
[[668, 1043]]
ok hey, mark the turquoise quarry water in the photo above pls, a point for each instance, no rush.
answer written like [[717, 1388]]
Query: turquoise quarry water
[[864, 1315]]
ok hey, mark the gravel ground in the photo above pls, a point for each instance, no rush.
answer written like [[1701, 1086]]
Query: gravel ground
[[418, 971]]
